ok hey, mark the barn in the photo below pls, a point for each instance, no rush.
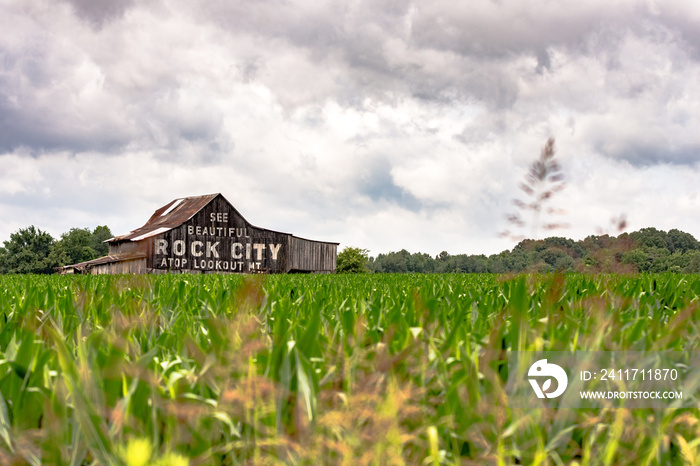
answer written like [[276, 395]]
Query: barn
[[206, 234]]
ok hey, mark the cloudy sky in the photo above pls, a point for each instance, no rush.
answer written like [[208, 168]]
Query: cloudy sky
[[375, 123]]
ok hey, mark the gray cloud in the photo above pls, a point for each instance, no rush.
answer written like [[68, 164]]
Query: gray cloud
[[337, 108], [98, 12], [645, 155], [378, 184], [383, 50]]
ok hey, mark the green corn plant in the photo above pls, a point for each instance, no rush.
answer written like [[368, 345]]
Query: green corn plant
[[406, 368]]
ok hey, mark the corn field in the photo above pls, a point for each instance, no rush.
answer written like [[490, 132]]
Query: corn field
[[292, 369]]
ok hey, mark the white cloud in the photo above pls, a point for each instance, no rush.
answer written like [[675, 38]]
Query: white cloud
[[371, 123]]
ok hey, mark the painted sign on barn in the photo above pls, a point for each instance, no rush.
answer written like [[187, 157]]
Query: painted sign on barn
[[218, 239]]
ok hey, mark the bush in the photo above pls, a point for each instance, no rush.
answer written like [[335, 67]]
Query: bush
[[352, 260]]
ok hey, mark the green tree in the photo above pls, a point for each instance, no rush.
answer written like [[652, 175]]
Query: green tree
[[497, 262], [557, 258], [352, 260], [679, 241], [27, 251], [395, 262], [421, 263], [99, 235], [694, 263], [639, 258], [650, 237], [74, 246], [80, 245]]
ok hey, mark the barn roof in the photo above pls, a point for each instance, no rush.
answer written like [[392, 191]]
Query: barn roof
[[109, 259], [171, 215], [174, 214]]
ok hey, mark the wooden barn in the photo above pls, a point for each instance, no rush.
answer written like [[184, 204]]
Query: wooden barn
[[206, 234]]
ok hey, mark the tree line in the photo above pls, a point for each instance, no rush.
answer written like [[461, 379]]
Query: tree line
[[646, 250], [30, 250]]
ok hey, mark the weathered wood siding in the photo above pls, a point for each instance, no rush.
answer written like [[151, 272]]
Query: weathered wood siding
[[127, 247], [311, 256], [137, 266], [219, 239]]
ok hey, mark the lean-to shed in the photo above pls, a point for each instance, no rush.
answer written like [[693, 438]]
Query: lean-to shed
[[206, 234]]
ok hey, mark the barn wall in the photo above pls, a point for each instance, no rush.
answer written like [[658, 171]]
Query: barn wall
[[137, 266], [312, 256], [219, 239], [127, 247]]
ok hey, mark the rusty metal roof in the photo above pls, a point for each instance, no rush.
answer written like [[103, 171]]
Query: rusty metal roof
[[171, 215], [175, 213]]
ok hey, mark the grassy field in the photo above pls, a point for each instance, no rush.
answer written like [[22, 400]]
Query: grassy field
[[371, 369]]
